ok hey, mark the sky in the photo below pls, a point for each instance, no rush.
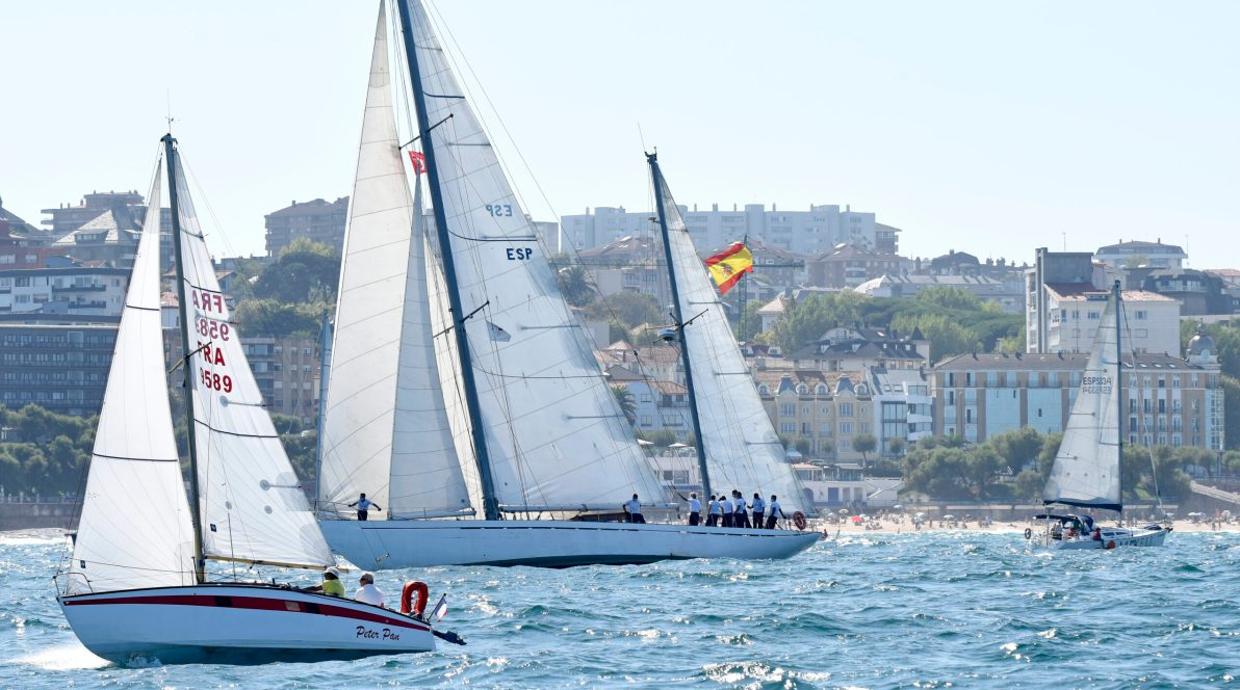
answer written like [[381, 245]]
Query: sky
[[989, 127]]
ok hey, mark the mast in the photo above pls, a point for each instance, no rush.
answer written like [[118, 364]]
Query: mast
[[200, 560], [325, 367], [1119, 392], [653, 159], [490, 507]]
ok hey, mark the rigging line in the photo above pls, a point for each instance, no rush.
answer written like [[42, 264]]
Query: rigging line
[[428, 130], [467, 317]]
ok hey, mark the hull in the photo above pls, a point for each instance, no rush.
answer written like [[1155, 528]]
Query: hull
[[383, 544], [1118, 536], [237, 624]]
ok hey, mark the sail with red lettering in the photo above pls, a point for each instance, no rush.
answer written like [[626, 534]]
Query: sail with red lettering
[[252, 505]]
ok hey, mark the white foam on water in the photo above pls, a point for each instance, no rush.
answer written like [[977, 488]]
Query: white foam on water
[[63, 657]]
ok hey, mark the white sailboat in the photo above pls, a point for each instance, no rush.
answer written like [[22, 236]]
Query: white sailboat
[[464, 398], [137, 584], [1086, 472]]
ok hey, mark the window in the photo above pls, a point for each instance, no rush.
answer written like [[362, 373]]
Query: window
[[787, 410], [846, 410], [951, 398], [968, 415], [1142, 314], [788, 428], [1092, 316], [846, 427]]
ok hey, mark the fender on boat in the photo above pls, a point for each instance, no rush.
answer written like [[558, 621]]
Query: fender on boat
[[798, 519]]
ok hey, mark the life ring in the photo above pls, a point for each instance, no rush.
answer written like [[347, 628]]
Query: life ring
[[798, 519], [1111, 544], [406, 596], [1028, 533]]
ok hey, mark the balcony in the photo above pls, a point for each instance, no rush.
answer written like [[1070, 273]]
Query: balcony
[[78, 288]]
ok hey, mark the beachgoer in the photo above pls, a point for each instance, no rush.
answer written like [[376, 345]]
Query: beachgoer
[[367, 592], [759, 508], [740, 512], [774, 512], [363, 507], [714, 512], [695, 510], [633, 509]]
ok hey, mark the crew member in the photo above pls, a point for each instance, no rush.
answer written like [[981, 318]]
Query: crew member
[[740, 512], [715, 511], [331, 584], [695, 510], [633, 510], [774, 512], [363, 507], [759, 507], [367, 592], [726, 504]]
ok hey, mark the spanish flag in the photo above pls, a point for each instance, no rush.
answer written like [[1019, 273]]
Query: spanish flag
[[727, 267]]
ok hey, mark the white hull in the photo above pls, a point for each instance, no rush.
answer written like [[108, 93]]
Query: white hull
[[218, 623], [1112, 538], [380, 544]]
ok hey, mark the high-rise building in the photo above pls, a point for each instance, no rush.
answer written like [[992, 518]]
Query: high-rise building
[[317, 220], [810, 232], [63, 368]]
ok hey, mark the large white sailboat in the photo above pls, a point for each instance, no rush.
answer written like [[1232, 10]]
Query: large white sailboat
[[1086, 472], [137, 585], [464, 399]]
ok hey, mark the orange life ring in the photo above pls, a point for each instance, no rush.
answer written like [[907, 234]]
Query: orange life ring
[[406, 596], [1111, 544], [798, 519]]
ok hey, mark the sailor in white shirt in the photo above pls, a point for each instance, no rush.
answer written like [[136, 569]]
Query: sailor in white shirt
[[759, 507], [368, 593], [726, 504], [740, 513], [716, 511], [774, 512], [633, 508], [695, 510]]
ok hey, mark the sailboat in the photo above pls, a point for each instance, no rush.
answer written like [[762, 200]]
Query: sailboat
[[137, 585], [1086, 472], [464, 399]]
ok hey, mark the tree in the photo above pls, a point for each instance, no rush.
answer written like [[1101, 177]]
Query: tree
[[1019, 447], [896, 446], [306, 271], [575, 285], [627, 310], [864, 444], [802, 446], [273, 318], [626, 401]]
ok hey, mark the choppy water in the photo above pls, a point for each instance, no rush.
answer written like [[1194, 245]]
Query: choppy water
[[916, 610]]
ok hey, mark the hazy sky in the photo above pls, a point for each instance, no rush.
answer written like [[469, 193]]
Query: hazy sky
[[989, 126]]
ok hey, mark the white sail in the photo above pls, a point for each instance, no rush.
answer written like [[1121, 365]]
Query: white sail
[[251, 502], [742, 450], [1087, 468], [135, 528], [386, 432], [554, 432]]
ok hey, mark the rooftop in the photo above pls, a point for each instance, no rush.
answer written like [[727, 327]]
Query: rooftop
[[1141, 247], [1057, 361]]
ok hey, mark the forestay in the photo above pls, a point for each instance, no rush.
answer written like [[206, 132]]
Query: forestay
[[135, 528], [555, 434], [1086, 470], [252, 505], [742, 449], [386, 431]]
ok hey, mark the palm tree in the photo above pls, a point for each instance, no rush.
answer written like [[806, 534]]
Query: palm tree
[[864, 444], [575, 285], [626, 401]]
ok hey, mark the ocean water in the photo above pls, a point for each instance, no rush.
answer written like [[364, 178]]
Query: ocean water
[[961, 610]]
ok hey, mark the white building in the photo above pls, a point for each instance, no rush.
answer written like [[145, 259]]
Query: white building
[[1138, 253], [805, 232], [903, 407], [66, 292], [661, 406]]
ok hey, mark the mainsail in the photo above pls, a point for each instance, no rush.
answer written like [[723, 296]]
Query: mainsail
[[742, 450], [555, 436], [386, 431], [135, 528], [1087, 467], [251, 502]]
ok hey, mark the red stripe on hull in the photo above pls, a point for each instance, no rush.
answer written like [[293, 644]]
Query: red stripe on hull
[[255, 603]]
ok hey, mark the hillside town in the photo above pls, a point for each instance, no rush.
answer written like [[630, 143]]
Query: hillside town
[[860, 354]]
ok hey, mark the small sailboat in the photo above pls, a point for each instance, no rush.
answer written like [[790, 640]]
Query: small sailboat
[[1086, 473], [464, 398], [137, 585]]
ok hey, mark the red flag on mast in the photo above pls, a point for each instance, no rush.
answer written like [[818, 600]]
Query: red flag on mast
[[419, 161]]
